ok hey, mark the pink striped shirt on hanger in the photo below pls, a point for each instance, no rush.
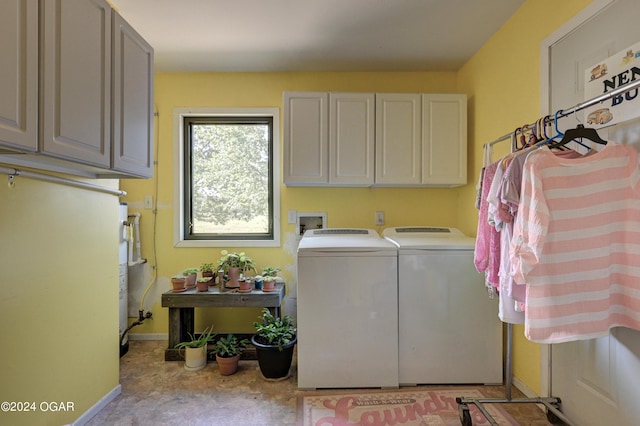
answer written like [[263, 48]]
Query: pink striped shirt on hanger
[[576, 244]]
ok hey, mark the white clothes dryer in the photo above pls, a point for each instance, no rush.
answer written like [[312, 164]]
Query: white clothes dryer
[[449, 330], [347, 309]]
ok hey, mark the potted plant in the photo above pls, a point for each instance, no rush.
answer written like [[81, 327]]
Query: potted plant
[[228, 350], [208, 270], [233, 264], [190, 274], [274, 341], [203, 284], [268, 284], [178, 283], [269, 274], [258, 282], [246, 285], [195, 350], [270, 271]]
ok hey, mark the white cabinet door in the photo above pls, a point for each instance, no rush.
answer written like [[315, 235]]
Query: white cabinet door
[[444, 139], [306, 128], [132, 135], [398, 141], [19, 74], [351, 139], [76, 83]]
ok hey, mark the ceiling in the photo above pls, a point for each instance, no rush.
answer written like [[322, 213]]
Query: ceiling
[[315, 35]]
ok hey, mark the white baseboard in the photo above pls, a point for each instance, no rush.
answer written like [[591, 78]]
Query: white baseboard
[[527, 391], [95, 409], [148, 336]]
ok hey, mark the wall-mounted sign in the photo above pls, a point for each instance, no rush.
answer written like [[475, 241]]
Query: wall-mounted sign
[[617, 70]]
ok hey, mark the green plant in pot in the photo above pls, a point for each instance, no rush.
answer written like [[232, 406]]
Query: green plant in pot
[[195, 350], [203, 284], [270, 271], [208, 269], [274, 341], [233, 264], [190, 277], [268, 284], [269, 278], [228, 350]]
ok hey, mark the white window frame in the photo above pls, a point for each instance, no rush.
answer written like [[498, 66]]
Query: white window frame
[[178, 166]]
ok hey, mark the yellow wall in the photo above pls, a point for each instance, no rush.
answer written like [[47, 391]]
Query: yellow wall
[[503, 84], [59, 298], [401, 206]]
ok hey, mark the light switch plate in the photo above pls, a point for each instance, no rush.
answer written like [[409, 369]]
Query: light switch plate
[[148, 201], [292, 216]]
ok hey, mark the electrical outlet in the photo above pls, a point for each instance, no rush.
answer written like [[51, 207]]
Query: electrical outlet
[[379, 218], [148, 201]]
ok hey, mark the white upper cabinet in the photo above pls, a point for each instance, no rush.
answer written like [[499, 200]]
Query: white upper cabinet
[[444, 139], [306, 138], [382, 139], [398, 144], [70, 100], [132, 118], [76, 81], [19, 75], [328, 139], [351, 139]]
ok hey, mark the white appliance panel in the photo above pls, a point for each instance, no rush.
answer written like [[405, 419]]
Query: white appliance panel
[[347, 313], [449, 330], [347, 322], [343, 240], [433, 238]]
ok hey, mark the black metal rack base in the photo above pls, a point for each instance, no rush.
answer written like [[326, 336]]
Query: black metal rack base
[[554, 415]]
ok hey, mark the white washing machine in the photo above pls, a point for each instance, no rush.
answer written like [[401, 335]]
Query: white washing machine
[[449, 330], [347, 310]]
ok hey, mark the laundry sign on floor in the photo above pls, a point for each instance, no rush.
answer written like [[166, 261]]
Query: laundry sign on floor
[[410, 407], [617, 70]]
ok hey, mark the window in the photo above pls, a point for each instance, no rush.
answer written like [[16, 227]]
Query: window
[[227, 180]]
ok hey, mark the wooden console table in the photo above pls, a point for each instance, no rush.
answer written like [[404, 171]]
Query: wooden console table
[[182, 308]]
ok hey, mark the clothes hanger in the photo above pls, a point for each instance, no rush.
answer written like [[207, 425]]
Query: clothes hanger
[[544, 137], [579, 132], [582, 132]]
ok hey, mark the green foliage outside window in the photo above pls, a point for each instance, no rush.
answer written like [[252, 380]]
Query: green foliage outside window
[[230, 171]]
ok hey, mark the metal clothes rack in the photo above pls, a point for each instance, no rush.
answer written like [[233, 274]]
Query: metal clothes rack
[[578, 107], [551, 403]]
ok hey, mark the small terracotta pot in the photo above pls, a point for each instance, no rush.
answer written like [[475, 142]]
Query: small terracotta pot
[[245, 286], [209, 275], [203, 286], [177, 284], [268, 286], [190, 280], [227, 366]]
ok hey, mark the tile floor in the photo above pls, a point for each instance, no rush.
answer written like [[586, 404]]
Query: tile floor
[[155, 392]]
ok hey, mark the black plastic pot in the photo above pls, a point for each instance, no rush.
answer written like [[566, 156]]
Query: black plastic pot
[[274, 363]]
